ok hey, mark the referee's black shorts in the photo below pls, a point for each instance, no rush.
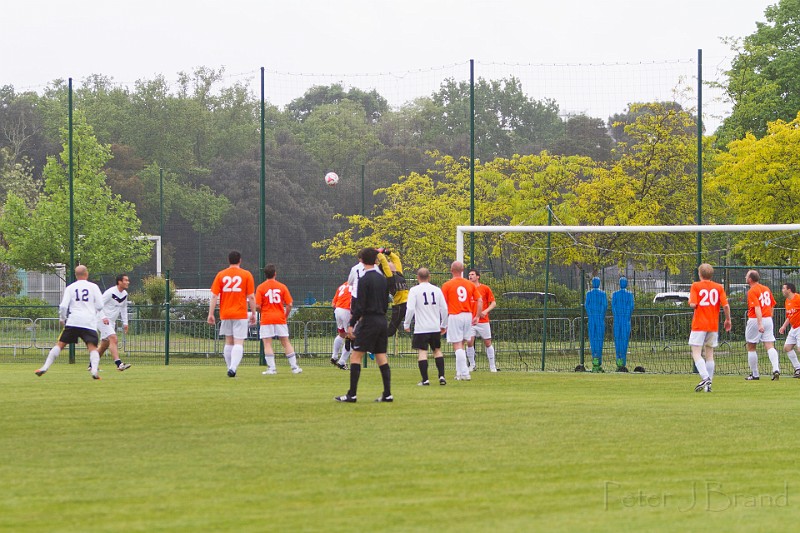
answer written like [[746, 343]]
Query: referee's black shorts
[[71, 334], [371, 334]]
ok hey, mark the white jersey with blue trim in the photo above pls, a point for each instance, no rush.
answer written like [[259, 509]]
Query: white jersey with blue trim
[[115, 305]]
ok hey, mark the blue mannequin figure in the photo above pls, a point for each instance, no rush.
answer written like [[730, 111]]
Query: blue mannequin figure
[[622, 309], [596, 307]]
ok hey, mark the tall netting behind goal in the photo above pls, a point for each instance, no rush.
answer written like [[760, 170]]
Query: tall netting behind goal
[[534, 332], [379, 130]]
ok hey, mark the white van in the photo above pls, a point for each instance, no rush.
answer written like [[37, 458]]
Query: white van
[[674, 297], [203, 295]]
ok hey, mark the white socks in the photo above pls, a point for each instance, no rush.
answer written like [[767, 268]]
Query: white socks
[[752, 360], [710, 365], [270, 361], [793, 358], [338, 344], [226, 353], [471, 355], [94, 359], [702, 368], [461, 363], [51, 357], [490, 357], [292, 360], [773, 358], [237, 352]]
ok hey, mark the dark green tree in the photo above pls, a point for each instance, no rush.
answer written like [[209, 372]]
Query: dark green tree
[[764, 79]]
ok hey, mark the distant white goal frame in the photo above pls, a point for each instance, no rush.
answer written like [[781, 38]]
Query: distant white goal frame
[[705, 228]]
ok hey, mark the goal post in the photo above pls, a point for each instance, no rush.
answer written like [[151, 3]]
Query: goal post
[[659, 331]]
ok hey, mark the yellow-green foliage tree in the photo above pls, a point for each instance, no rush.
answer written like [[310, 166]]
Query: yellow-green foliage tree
[[420, 212], [652, 180], [759, 179]]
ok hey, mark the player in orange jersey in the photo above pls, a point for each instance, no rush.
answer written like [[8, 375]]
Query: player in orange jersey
[[233, 287], [460, 294], [341, 312], [483, 328], [792, 306], [759, 325], [274, 301], [706, 297]]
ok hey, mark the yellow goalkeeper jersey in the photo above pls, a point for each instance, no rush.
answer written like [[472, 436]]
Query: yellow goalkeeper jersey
[[394, 276]]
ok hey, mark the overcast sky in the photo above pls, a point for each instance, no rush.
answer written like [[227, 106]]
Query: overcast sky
[[47, 39], [44, 40]]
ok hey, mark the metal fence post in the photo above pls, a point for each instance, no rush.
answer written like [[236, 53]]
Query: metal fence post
[[166, 319]]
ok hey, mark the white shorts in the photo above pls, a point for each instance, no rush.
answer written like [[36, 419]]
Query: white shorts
[[704, 338], [482, 330], [267, 331], [459, 327], [233, 328], [342, 318], [752, 335], [793, 337], [106, 330]]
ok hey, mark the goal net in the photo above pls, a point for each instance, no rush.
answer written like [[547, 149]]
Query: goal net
[[534, 332]]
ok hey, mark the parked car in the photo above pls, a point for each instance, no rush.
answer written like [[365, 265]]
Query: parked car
[[674, 297], [533, 295]]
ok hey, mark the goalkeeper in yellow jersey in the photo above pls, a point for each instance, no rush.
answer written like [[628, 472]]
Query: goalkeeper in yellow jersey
[[392, 268]]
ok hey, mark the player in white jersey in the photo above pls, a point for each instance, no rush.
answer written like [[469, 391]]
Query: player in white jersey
[[78, 311], [115, 306], [426, 305]]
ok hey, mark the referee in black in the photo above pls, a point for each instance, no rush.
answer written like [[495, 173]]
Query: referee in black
[[368, 316]]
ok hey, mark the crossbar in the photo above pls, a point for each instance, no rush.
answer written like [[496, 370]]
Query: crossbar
[[703, 228]]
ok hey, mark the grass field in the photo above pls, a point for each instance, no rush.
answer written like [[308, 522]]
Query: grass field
[[187, 449]]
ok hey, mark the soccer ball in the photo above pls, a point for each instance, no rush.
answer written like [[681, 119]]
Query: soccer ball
[[331, 178]]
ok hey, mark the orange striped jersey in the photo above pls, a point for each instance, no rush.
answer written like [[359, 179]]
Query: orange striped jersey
[[460, 294], [709, 297], [343, 296], [793, 310], [487, 296], [271, 297], [233, 285], [760, 296]]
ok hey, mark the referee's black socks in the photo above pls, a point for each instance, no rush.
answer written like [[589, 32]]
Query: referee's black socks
[[355, 373], [386, 376]]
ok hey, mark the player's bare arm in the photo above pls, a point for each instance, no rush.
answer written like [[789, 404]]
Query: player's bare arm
[[212, 306]]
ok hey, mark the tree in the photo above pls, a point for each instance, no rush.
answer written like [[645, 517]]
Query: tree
[[106, 227], [17, 177], [758, 178], [374, 104], [338, 137], [22, 130], [107, 107], [763, 82], [651, 182], [584, 135], [419, 213], [507, 121]]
